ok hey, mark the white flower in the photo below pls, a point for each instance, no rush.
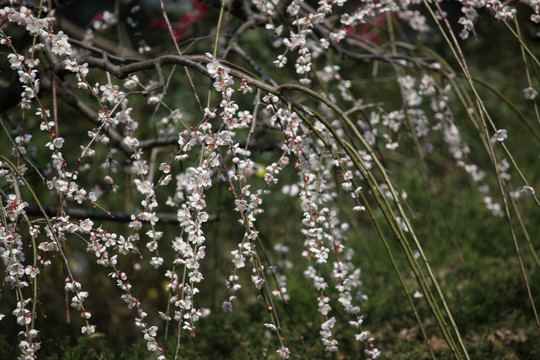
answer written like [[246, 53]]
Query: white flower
[[212, 67], [131, 142], [131, 82], [32, 271], [88, 329], [153, 99], [144, 187], [227, 306], [281, 61], [363, 336], [402, 223], [500, 135], [530, 93], [60, 44], [528, 190], [284, 352], [165, 167]]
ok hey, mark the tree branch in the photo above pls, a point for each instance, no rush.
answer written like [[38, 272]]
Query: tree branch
[[85, 110], [83, 213]]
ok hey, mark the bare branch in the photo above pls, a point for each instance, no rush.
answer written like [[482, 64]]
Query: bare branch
[[114, 216]]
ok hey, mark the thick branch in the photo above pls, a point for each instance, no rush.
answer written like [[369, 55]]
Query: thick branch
[[192, 61], [82, 213], [113, 48]]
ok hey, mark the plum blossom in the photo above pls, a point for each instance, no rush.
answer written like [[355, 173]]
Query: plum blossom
[[530, 93]]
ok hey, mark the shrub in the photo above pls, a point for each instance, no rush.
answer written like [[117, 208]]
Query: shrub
[[239, 160]]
